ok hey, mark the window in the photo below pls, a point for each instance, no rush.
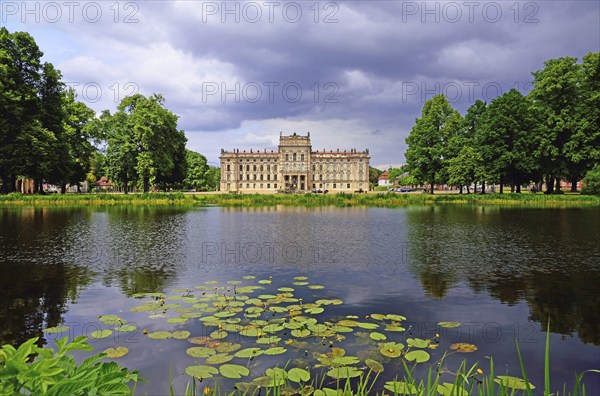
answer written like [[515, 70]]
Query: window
[[348, 185], [314, 166], [241, 167], [247, 168], [275, 170], [254, 168], [268, 185], [261, 185], [247, 176], [228, 169], [301, 157], [333, 185], [320, 185], [254, 176], [268, 177], [274, 177], [320, 177], [261, 168], [247, 185], [253, 185], [287, 157], [268, 168], [294, 157], [275, 185], [261, 176], [321, 167]]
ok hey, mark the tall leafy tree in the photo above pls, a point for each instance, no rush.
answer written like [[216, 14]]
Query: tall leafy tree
[[506, 141], [582, 150], [19, 103], [143, 142], [197, 167], [428, 147], [554, 97]]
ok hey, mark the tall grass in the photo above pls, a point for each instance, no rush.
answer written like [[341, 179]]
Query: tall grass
[[306, 200]]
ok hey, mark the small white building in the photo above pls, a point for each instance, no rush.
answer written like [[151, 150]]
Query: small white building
[[383, 180]]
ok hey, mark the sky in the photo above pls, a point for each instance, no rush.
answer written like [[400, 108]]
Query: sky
[[355, 74]]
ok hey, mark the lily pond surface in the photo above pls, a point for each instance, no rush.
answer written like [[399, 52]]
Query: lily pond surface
[[222, 293]]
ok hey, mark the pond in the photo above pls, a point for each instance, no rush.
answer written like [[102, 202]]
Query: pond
[[354, 278]]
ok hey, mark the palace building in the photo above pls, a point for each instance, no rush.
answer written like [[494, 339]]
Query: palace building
[[295, 167]]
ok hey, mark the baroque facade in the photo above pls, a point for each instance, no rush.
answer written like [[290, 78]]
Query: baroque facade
[[295, 167]]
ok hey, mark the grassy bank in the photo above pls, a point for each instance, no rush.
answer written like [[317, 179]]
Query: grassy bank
[[308, 200]]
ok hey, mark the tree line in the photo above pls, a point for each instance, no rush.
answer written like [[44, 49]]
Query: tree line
[[551, 134], [48, 136]]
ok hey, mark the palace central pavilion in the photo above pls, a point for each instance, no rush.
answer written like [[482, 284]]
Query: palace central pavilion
[[295, 167]]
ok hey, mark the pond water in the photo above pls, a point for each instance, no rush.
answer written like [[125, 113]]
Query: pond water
[[500, 272]]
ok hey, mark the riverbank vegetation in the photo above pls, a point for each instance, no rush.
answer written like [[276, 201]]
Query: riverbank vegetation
[[308, 200]]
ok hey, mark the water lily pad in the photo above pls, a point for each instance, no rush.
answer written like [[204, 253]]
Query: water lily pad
[[180, 335], [449, 389], [300, 333], [265, 281], [298, 375], [367, 325], [401, 387], [248, 353], [286, 289], [110, 319], [391, 349], [448, 324], [275, 351], [344, 360], [115, 353], [160, 335], [126, 328], [418, 356], [219, 358], [200, 340], [201, 371], [247, 277], [212, 282], [56, 329], [233, 371], [100, 334], [344, 372], [300, 278], [394, 327], [314, 311], [300, 283], [374, 365], [200, 352], [463, 347], [512, 382], [268, 340], [177, 320], [220, 334], [327, 392], [247, 388], [417, 342], [395, 318], [316, 287], [377, 316], [377, 336]]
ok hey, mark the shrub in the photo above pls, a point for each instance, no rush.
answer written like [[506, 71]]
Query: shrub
[[42, 371], [591, 182]]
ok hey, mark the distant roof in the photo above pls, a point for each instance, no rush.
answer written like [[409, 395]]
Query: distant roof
[[103, 182], [383, 176]]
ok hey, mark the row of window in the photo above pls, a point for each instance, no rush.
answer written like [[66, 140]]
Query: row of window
[[326, 185]]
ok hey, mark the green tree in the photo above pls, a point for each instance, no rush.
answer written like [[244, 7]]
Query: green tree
[[19, 103], [374, 174], [428, 141], [213, 177], [143, 142], [506, 141], [78, 139], [582, 150], [466, 168], [197, 168], [554, 97], [591, 181]]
